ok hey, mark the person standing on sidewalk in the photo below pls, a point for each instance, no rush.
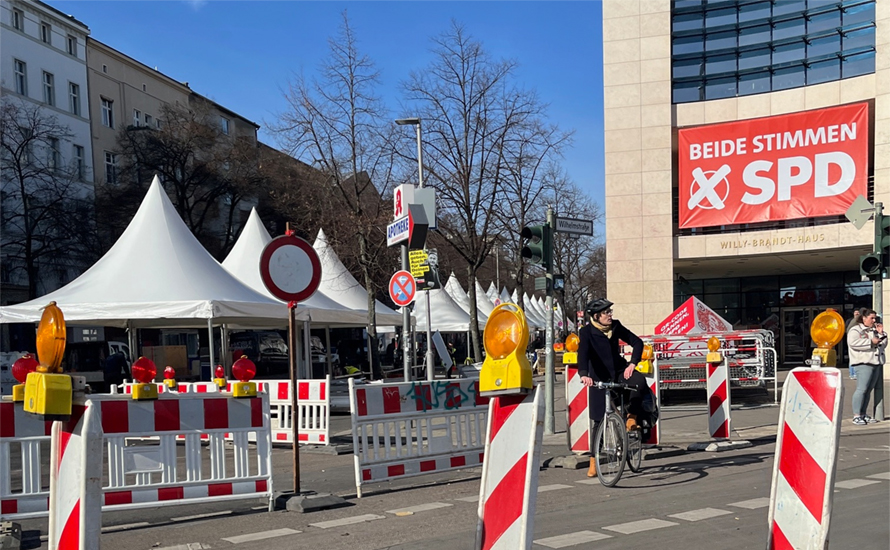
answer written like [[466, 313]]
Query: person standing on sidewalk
[[866, 346], [878, 398]]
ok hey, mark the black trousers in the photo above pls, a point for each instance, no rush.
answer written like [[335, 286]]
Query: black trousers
[[633, 400]]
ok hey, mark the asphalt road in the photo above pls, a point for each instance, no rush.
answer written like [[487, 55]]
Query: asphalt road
[[713, 500]]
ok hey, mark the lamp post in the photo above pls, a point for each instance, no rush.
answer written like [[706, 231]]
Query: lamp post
[[415, 121]]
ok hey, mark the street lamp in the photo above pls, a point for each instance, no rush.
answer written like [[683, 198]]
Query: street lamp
[[430, 374]]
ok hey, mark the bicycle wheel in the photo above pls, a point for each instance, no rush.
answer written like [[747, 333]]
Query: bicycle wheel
[[635, 450], [610, 446]]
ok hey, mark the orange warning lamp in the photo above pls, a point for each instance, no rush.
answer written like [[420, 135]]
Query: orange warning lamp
[[714, 355], [559, 346], [826, 331], [570, 357], [645, 364], [144, 371], [22, 367], [219, 377], [506, 370], [48, 392], [170, 377], [244, 370]]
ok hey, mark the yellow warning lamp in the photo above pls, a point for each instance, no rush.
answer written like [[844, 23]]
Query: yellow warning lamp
[[570, 357], [244, 370], [714, 355], [47, 390], [144, 372], [22, 367], [506, 370], [826, 331], [645, 364], [219, 377], [170, 378]]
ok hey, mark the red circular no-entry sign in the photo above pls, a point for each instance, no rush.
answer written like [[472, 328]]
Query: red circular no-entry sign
[[290, 268], [402, 288]]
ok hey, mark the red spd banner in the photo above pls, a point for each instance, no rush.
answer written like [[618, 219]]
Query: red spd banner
[[801, 165]]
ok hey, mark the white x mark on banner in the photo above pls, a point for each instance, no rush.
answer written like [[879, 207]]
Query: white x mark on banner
[[707, 187]]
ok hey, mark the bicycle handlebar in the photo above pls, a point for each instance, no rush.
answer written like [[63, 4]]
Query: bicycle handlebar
[[614, 386]]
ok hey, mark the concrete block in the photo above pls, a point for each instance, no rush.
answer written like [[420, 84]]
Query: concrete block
[[719, 446], [307, 501]]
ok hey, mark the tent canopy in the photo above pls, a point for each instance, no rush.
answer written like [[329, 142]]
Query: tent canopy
[[156, 274], [483, 304], [446, 315]]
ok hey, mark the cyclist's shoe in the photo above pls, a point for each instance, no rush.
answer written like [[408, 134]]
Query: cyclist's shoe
[[632, 422], [591, 471]]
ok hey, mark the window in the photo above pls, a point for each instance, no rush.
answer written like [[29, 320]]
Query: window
[[148, 120], [49, 88], [754, 59], [21, 77], [110, 167], [789, 29], [72, 45], [855, 65], [224, 125], [53, 155], [107, 113], [79, 163], [137, 118], [721, 40], [719, 88], [46, 33], [18, 20], [791, 77], [74, 98], [717, 18], [824, 71], [758, 34], [754, 83]]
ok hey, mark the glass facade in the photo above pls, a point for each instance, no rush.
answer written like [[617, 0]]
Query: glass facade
[[729, 48]]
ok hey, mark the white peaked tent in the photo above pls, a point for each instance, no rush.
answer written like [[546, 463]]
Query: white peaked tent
[[445, 314], [492, 292], [338, 284], [532, 314], [483, 304], [244, 263], [454, 289], [156, 274], [505, 296]]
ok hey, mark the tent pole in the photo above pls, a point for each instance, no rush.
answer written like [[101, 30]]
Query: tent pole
[[224, 348], [132, 341], [327, 344], [210, 346], [307, 351]]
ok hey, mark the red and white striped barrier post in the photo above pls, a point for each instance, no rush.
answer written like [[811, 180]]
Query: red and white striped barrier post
[[577, 412], [719, 400], [654, 435], [509, 483], [805, 463]]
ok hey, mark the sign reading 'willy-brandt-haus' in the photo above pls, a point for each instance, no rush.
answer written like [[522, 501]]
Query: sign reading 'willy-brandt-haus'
[[800, 165]]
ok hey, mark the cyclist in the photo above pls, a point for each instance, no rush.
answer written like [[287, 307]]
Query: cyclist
[[600, 360]]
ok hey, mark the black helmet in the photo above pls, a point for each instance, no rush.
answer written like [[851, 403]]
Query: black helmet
[[597, 305]]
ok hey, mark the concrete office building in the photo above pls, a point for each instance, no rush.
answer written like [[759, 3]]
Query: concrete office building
[[737, 134]]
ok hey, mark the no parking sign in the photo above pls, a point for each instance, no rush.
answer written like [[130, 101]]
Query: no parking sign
[[402, 288]]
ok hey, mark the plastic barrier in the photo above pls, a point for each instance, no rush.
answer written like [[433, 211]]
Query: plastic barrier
[[805, 463], [509, 484], [654, 436], [24, 446], [577, 413], [719, 421], [415, 428]]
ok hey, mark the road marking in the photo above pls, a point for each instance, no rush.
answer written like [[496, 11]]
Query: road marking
[[125, 526], [346, 521], [554, 487], [638, 526], [703, 513], [200, 516], [854, 483], [882, 475], [421, 507], [250, 537], [189, 546], [469, 499], [572, 539], [591, 481], [752, 504]]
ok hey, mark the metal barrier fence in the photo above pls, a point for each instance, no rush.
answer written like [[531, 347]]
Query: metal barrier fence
[[24, 447], [416, 428]]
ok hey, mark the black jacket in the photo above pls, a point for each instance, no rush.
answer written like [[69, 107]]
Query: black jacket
[[599, 357]]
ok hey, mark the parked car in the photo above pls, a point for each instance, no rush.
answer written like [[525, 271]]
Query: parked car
[[267, 349], [320, 359]]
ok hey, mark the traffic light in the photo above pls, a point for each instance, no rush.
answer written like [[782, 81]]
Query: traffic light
[[539, 248], [873, 265]]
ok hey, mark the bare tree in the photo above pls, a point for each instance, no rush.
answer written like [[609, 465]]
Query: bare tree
[[338, 124], [47, 215], [476, 122]]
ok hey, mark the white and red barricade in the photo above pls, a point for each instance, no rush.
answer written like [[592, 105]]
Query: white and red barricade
[[719, 425], [313, 410], [577, 412], [509, 485], [21, 436], [415, 428], [805, 463], [654, 436]]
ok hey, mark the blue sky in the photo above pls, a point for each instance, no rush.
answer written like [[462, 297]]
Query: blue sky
[[242, 54]]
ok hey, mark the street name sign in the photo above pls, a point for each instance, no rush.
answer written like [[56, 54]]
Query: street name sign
[[574, 226]]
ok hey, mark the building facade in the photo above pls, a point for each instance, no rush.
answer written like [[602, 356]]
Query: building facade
[[43, 87], [731, 158]]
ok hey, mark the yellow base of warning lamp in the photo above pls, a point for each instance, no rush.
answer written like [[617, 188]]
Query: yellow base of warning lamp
[[826, 331], [714, 355], [22, 367], [244, 370], [506, 370], [48, 393], [570, 357], [219, 378], [645, 364], [170, 378], [144, 372]]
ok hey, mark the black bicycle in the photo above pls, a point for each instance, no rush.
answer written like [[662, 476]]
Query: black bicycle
[[613, 444]]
